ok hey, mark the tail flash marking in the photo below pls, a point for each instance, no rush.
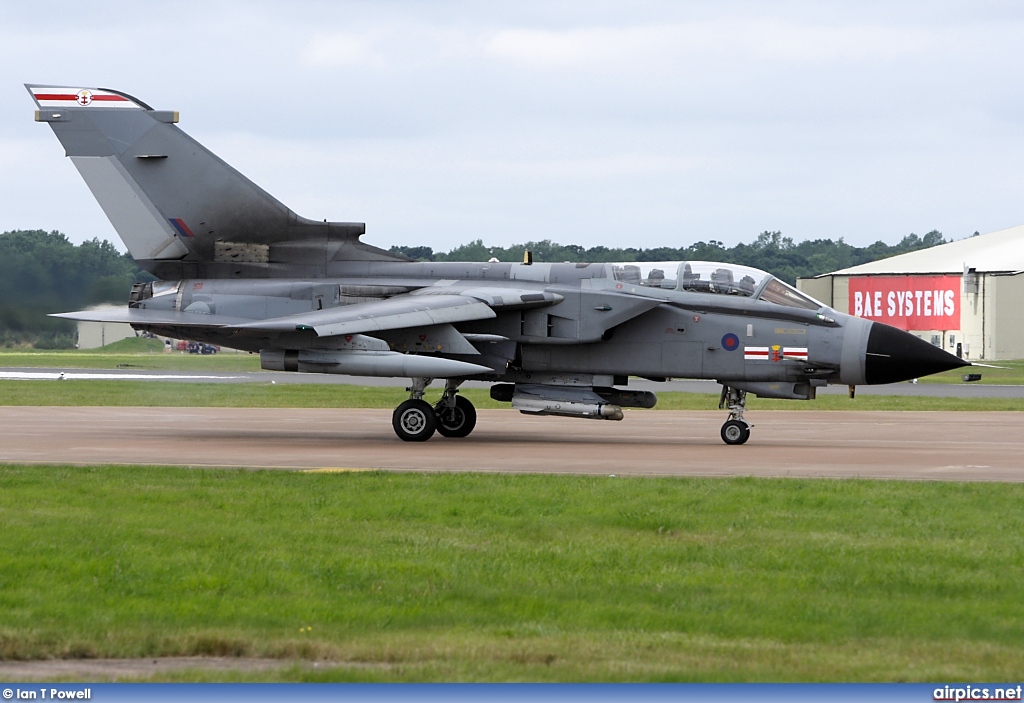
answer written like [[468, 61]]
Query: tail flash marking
[[183, 230], [82, 97], [52, 96]]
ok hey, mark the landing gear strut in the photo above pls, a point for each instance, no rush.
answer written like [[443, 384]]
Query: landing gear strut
[[456, 416], [416, 421], [735, 430]]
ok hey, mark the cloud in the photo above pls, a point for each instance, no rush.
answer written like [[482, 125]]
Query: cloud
[[446, 121], [727, 40], [400, 46], [656, 46], [344, 49]]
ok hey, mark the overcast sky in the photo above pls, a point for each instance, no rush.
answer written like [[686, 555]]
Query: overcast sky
[[615, 123]]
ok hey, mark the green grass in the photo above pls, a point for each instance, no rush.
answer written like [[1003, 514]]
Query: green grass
[[1011, 373], [448, 577], [265, 395], [148, 354], [692, 401], [133, 352]]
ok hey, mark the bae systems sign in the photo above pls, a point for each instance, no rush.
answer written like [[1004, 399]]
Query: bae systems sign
[[908, 302]]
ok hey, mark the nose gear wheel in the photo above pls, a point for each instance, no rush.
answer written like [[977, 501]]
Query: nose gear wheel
[[736, 430]]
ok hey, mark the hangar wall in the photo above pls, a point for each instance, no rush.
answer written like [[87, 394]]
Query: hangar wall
[[92, 335], [818, 288], [991, 312], [978, 281], [97, 334], [1008, 323]]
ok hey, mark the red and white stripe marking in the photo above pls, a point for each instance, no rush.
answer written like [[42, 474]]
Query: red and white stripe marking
[[48, 98], [765, 353]]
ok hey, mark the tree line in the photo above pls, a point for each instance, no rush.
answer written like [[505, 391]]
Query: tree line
[[770, 251], [43, 272]]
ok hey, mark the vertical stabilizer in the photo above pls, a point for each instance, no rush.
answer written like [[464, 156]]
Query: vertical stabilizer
[[180, 209]]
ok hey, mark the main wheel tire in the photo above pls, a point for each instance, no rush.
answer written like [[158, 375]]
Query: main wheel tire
[[458, 421], [735, 432], [414, 421]]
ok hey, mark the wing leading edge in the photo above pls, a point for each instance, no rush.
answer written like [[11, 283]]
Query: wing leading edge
[[394, 313]]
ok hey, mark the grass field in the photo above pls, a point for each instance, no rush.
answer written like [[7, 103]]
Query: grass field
[[410, 577], [394, 577], [260, 395], [1010, 373], [145, 354], [133, 352], [137, 352]]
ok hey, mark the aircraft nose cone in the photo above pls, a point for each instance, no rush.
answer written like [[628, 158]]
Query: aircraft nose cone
[[894, 355]]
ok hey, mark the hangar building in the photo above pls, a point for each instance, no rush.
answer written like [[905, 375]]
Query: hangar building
[[98, 334], [966, 295]]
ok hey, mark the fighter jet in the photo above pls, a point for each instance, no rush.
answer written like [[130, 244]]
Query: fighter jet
[[237, 268]]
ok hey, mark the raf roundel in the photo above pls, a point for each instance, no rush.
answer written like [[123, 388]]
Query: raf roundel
[[730, 342]]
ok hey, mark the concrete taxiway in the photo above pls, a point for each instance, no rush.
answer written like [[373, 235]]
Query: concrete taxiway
[[900, 445]]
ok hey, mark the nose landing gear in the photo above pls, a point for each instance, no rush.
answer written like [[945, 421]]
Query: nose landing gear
[[735, 430]]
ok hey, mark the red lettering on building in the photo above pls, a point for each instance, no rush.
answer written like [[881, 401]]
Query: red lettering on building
[[907, 302]]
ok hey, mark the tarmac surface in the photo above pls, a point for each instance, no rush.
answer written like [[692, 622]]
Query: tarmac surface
[[963, 446]]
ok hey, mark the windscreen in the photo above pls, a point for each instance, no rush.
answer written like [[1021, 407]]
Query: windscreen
[[782, 294]]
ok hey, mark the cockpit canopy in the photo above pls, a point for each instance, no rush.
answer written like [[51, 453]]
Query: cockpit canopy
[[713, 277]]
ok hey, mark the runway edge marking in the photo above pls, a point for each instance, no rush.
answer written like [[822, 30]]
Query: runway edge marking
[[335, 470]]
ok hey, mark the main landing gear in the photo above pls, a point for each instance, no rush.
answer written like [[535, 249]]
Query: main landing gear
[[416, 421], [735, 430]]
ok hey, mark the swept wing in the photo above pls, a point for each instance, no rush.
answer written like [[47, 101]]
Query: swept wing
[[390, 314], [393, 313]]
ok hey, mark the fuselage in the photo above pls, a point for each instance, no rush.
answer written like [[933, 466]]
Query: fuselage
[[654, 319]]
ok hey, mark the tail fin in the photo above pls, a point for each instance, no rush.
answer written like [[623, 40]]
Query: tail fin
[[180, 209]]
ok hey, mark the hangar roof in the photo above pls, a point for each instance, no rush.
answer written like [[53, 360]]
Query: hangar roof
[[1001, 251]]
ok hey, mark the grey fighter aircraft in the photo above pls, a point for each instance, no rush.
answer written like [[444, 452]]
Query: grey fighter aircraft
[[239, 269]]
